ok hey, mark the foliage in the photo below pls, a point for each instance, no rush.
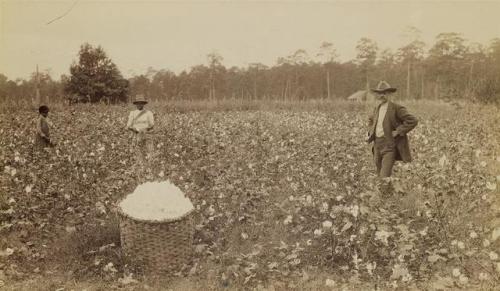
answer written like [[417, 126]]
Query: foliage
[[367, 52], [25, 90], [447, 56], [96, 78], [281, 197], [451, 68], [327, 52]]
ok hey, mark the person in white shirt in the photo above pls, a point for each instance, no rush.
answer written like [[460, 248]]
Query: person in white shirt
[[140, 122]]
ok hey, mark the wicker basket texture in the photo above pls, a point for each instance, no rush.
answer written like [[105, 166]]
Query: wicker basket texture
[[158, 246]]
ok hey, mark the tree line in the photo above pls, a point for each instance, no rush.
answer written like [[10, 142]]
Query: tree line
[[452, 68]]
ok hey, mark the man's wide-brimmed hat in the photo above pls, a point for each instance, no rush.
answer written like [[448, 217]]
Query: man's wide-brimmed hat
[[140, 98], [384, 87]]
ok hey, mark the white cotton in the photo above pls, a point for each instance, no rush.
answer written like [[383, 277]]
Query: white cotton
[[156, 201]]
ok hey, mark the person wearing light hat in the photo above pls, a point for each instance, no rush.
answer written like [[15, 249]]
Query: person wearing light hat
[[140, 121], [389, 126]]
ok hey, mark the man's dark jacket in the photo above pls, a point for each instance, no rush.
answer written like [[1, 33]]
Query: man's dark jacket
[[396, 119]]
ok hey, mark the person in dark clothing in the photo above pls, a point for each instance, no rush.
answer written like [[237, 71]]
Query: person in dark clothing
[[389, 125], [43, 128]]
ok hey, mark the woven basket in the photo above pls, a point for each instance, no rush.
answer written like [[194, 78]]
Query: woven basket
[[164, 246]]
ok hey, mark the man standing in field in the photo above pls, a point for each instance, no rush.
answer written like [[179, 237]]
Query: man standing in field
[[389, 126], [140, 121]]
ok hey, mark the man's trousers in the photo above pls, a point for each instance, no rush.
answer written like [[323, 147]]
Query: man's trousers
[[384, 155]]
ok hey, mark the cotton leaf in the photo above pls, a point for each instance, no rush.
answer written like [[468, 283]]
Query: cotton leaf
[[398, 272], [442, 283], [110, 268], [483, 276], [442, 160], [493, 256], [434, 258], [370, 267], [491, 186], [495, 234], [7, 252], [329, 283], [327, 224], [383, 236], [346, 226], [463, 279], [127, 279]]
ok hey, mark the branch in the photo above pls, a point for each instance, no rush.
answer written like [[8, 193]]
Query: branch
[[66, 13]]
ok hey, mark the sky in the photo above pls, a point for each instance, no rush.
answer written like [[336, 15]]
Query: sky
[[176, 35]]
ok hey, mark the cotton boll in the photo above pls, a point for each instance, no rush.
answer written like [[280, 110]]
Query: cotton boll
[[329, 283], [463, 279], [327, 224], [288, 220], [493, 256], [483, 276], [318, 232]]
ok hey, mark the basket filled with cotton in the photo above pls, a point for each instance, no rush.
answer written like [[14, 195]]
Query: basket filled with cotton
[[156, 227]]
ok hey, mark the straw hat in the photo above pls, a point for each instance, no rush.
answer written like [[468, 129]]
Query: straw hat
[[140, 98], [384, 87]]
